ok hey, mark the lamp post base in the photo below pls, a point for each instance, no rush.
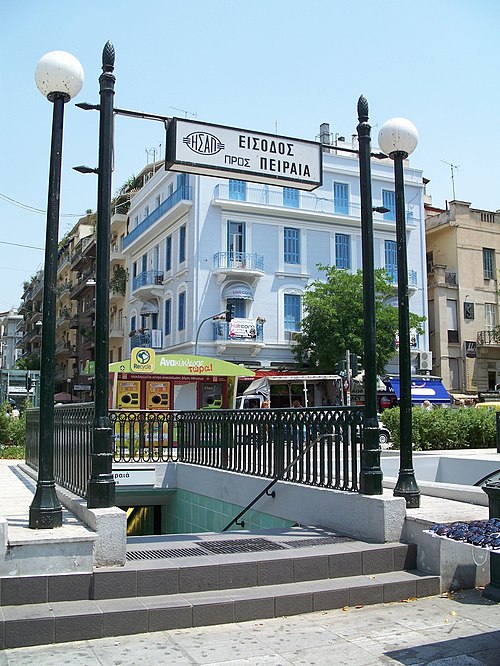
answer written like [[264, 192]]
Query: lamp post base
[[407, 487], [45, 510]]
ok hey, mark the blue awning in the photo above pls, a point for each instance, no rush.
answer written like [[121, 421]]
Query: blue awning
[[425, 388]]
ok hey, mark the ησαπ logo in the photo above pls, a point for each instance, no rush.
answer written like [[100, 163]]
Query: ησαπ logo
[[203, 143]]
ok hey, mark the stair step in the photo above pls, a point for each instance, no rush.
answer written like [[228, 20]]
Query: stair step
[[183, 575], [84, 619]]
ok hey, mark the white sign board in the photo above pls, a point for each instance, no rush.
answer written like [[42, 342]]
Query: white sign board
[[242, 328], [134, 476], [216, 150]]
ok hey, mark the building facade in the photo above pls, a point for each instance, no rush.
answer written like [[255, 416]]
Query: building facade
[[463, 246], [196, 245], [10, 336]]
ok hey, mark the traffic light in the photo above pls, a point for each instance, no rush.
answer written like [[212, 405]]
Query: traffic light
[[29, 382], [356, 364], [229, 312], [340, 367]]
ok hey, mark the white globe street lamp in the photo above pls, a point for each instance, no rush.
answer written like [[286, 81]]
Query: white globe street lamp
[[398, 138], [59, 77]]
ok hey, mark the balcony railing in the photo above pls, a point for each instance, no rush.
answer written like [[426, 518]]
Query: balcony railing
[[450, 278], [147, 279], [222, 331], [280, 198], [182, 193], [149, 338], [489, 337], [239, 260], [412, 276]]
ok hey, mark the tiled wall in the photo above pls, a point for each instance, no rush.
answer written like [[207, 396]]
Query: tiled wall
[[188, 512]]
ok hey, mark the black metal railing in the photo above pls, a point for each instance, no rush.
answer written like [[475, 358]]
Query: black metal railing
[[73, 430], [256, 442]]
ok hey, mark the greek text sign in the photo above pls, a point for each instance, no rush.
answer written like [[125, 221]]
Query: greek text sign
[[134, 476], [216, 150]]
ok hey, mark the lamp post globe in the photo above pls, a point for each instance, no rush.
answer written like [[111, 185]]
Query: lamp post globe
[[59, 77], [59, 72], [398, 138], [398, 135]]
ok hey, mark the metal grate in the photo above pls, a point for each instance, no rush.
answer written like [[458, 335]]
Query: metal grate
[[161, 554], [319, 541], [240, 546]]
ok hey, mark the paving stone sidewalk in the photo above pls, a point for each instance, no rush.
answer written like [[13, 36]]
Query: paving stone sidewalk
[[457, 630]]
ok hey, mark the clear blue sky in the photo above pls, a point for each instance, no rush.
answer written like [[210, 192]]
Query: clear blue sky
[[268, 65]]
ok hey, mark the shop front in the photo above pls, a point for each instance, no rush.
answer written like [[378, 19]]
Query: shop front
[[153, 381]]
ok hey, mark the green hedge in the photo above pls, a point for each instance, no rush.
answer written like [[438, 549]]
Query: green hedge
[[12, 435], [438, 429]]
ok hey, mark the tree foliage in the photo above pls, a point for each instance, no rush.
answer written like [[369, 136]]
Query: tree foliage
[[29, 362], [334, 320]]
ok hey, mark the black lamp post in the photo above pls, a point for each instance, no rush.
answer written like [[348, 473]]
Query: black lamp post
[[371, 473], [398, 138], [59, 77], [101, 487]]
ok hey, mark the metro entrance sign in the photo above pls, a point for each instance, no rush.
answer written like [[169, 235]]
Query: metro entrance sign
[[217, 150]]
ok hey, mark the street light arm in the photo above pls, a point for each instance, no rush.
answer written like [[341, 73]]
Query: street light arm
[[201, 324]]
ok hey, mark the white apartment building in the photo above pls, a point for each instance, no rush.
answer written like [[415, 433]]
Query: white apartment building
[[196, 244]]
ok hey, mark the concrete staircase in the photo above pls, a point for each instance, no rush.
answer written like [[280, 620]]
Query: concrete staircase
[[206, 579]]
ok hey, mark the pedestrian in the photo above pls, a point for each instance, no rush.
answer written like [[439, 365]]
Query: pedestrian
[[15, 413], [427, 405], [265, 404]]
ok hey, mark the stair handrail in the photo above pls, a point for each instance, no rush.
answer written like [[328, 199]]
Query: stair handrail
[[300, 455]]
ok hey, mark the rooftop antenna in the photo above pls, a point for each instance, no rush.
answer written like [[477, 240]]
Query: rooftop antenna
[[452, 167], [186, 113]]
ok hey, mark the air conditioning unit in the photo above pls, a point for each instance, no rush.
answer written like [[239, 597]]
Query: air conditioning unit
[[425, 360]]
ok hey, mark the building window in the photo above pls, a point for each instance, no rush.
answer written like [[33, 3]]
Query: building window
[[239, 307], [182, 244], [235, 240], [156, 258], [389, 201], [181, 313], [488, 263], [391, 259], [292, 309], [134, 269], [342, 251], [170, 189], [237, 190], [168, 316], [132, 323], [158, 201], [490, 316], [291, 245], [290, 197], [168, 253], [452, 320], [182, 184], [429, 257], [146, 212], [340, 198], [136, 221]]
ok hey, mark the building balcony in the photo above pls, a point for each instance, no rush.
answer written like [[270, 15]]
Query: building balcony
[[116, 332], [64, 348], [83, 252], [147, 282], [147, 338], [489, 338], [290, 202], [249, 332], [64, 287], [238, 264], [412, 278], [85, 281], [178, 203]]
